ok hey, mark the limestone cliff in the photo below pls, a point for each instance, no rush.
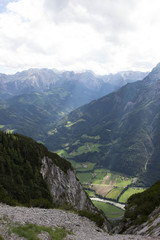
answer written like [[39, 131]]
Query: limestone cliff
[[65, 187]]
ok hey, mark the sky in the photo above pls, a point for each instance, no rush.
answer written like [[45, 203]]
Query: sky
[[105, 36]]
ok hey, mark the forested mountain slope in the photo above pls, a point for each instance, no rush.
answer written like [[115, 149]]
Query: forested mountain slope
[[31, 175], [119, 131], [33, 100]]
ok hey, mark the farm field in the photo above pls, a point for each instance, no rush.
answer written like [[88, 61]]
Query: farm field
[[129, 192], [110, 211], [102, 182], [114, 193]]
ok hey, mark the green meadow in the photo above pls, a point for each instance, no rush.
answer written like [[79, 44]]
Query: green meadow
[[109, 210], [129, 192], [104, 182]]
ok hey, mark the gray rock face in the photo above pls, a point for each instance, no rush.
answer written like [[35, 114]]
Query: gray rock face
[[65, 187], [149, 228], [42, 79]]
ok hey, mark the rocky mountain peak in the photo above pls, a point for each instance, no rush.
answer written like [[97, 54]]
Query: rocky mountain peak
[[154, 75]]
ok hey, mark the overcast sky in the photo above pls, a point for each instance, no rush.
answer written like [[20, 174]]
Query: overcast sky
[[105, 36]]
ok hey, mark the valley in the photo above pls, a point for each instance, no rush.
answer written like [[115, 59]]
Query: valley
[[110, 141], [33, 101], [118, 132], [108, 190], [79, 120]]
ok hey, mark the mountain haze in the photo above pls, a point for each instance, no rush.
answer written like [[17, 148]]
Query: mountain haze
[[39, 80], [34, 100]]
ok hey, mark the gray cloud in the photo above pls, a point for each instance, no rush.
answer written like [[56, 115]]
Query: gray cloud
[[97, 34], [112, 18], [56, 5]]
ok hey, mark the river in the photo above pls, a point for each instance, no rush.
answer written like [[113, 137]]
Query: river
[[119, 205]]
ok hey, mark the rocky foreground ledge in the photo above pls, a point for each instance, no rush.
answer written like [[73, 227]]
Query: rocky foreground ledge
[[81, 227]]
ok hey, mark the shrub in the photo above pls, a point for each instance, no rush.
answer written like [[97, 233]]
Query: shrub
[[140, 205], [95, 217], [41, 203]]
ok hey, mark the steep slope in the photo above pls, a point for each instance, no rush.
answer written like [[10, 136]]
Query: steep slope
[[29, 220], [32, 114], [119, 131], [33, 176], [142, 214]]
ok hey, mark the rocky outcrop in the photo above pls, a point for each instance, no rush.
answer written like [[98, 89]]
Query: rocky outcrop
[[152, 226], [65, 188], [142, 215], [149, 228]]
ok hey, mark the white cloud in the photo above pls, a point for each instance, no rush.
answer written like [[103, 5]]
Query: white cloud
[[101, 35]]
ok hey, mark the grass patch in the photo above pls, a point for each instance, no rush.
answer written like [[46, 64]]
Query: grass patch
[[82, 167], [10, 131], [114, 193], [95, 217], [90, 193], [31, 231], [62, 153], [88, 147], [98, 177], [101, 170], [52, 131], [117, 179], [90, 137], [109, 210], [76, 165], [84, 177], [129, 192], [76, 143], [70, 124], [122, 181]]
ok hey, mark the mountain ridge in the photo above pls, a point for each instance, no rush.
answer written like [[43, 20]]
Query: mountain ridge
[[33, 100], [42, 79], [125, 124]]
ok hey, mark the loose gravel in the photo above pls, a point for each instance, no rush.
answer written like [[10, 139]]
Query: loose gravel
[[81, 227]]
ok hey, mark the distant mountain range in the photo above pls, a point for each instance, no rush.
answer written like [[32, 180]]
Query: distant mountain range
[[33, 100], [120, 131], [91, 86]]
